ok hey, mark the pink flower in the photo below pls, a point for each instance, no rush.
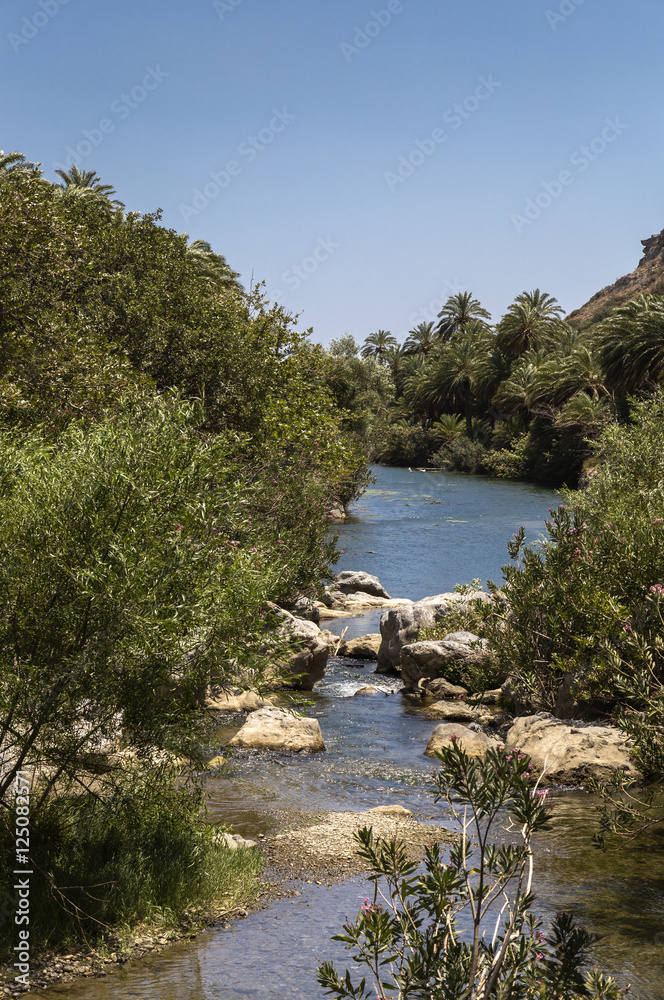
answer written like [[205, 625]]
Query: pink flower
[[454, 738], [657, 588], [543, 792]]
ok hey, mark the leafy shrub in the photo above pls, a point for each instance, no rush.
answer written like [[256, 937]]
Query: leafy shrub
[[138, 851], [412, 936], [461, 455], [513, 462], [584, 593], [404, 444]]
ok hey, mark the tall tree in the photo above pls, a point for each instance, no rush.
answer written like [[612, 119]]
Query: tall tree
[[531, 321], [87, 184], [378, 344], [631, 343], [213, 266], [451, 376], [421, 339], [458, 312]]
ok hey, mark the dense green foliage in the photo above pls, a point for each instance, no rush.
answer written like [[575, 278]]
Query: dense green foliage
[[521, 399], [169, 448], [462, 928], [136, 851]]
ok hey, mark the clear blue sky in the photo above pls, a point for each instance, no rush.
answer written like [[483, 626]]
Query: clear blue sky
[[305, 122]]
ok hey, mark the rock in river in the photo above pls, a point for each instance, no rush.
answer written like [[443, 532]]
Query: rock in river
[[351, 581], [278, 729], [431, 658], [401, 626], [570, 752], [474, 743], [363, 648], [310, 649]]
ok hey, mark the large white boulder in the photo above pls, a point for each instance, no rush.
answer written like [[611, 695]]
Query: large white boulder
[[570, 752], [279, 729], [310, 649]]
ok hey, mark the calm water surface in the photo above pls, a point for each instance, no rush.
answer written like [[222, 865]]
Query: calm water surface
[[420, 533]]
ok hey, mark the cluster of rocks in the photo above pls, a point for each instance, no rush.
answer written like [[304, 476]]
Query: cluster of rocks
[[354, 592], [564, 752]]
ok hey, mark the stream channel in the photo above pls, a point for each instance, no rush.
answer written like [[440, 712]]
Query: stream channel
[[420, 533]]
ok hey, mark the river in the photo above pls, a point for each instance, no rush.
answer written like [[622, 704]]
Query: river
[[420, 533]]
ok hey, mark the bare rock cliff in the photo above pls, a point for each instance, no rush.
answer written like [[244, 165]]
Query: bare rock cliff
[[648, 277]]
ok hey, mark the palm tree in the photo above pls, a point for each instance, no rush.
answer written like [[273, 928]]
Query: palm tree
[[560, 378], [517, 393], [584, 415], [377, 345], [450, 377], [631, 342], [86, 184], [458, 312], [421, 339], [213, 266], [448, 428], [532, 320], [12, 164]]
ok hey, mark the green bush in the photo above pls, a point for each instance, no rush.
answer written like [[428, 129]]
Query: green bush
[[574, 604], [461, 455], [462, 928], [404, 444], [136, 852]]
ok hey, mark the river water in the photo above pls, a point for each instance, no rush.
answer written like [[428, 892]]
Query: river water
[[420, 533]]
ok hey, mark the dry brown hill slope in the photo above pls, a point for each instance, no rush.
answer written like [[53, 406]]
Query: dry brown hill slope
[[648, 277]]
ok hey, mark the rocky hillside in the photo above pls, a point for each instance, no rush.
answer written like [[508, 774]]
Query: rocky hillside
[[648, 277]]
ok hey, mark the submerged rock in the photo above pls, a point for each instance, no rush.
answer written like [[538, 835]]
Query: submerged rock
[[569, 753], [278, 729]]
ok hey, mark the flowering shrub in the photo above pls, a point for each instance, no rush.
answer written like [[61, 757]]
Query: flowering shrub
[[461, 928]]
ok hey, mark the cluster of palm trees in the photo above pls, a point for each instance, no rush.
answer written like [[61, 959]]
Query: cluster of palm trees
[[531, 373]]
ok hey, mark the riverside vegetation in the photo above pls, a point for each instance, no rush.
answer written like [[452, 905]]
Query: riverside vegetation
[[520, 399], [169, 449], [170, 445]]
